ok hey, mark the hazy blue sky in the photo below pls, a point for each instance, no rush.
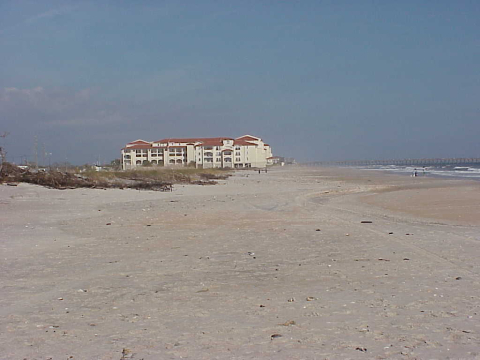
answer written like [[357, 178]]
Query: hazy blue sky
[[318, 80]]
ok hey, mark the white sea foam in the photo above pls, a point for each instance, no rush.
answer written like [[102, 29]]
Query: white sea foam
[[470, 172]]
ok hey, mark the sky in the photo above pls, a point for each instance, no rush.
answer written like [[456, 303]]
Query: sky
[[317, 80]]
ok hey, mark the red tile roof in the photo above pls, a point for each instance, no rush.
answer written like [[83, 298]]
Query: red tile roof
[[211, 142], [138, 142], [248, 137], [191, 140], [139, 146], [243, 142]]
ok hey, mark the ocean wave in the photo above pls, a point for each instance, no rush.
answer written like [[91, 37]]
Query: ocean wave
[[453, 170]]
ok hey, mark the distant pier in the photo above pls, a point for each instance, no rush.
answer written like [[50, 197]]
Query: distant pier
[[403, 162]]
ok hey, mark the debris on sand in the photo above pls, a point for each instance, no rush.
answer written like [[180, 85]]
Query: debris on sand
[[288, 323], [11, 174], [209, 176], [203, 182], [157, 180], [126, 354]]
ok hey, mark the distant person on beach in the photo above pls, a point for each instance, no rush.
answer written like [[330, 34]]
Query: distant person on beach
[[414, 173]]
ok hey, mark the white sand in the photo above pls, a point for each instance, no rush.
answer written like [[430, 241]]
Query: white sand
[[172, 276]]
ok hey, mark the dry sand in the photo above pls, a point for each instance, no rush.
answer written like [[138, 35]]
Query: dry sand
[[264, 266]]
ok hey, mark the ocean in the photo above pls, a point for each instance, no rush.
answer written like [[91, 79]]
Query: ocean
[[460, 171]]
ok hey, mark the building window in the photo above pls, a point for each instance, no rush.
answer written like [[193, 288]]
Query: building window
[[141, 152], [138, 162], [208, 159], [237, 153], [228, 159], [219, 159], [209, 154], [228, 153], [171, 161], [208, 148], [219, 153], [237, 159], [126, 156], [237, 147]]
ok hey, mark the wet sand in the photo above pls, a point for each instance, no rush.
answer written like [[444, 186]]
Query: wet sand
[[298, 263]]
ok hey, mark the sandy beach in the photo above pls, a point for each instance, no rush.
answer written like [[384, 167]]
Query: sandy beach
[[296, 263]]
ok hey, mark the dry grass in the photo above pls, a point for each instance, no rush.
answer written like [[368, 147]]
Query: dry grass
[[170, 175], [146, 179]]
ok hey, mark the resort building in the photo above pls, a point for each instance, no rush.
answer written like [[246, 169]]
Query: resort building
[[221, 152]]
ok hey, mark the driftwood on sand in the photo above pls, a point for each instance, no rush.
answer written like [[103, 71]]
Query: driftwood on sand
[[11, 174]]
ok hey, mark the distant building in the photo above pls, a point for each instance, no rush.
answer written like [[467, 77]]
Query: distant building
[[220, 152], [280, 160], [288, 160], [274, 160]]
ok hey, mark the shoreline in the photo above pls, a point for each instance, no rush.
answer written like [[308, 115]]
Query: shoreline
[[452, 200], [293, 264], [420, 174]]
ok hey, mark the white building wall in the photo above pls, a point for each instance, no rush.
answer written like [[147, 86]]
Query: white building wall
[[251, 153], [190, 154]]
